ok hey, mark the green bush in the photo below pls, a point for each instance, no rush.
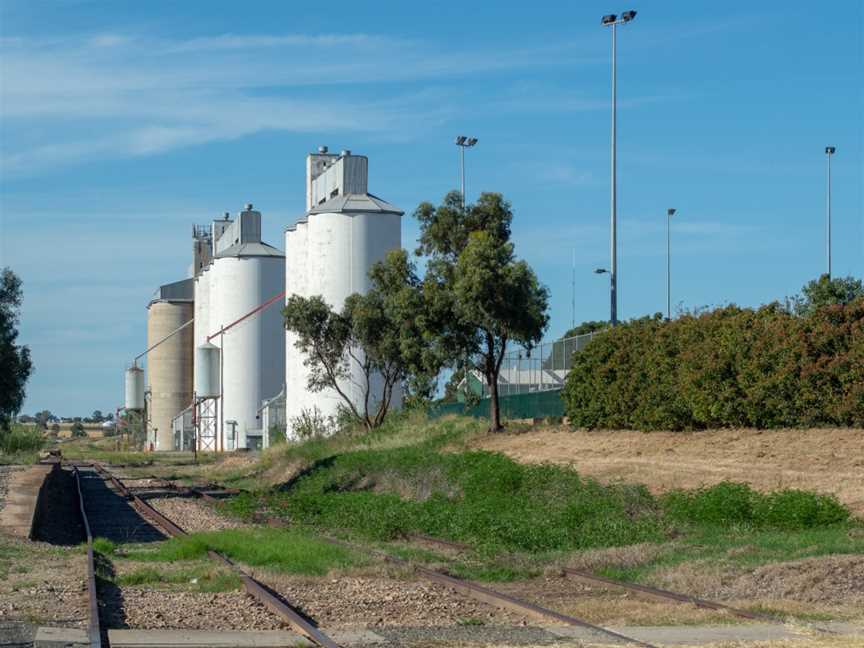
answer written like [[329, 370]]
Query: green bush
[[729, 503], [21, 438], [730, 367]]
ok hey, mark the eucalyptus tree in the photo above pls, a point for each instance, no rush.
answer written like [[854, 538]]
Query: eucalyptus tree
[[479, 297]]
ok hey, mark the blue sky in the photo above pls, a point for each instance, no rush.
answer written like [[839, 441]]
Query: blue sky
[[124, 123]]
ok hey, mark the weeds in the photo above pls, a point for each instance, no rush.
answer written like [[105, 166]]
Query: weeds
[[285, 550]]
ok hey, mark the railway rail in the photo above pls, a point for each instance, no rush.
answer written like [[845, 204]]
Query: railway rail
[[253, 587], [94, 630], [263, 594]]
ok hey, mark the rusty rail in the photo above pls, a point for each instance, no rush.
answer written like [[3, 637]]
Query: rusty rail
[[254, 588], [495, 598], [93, 628], [666, 595]]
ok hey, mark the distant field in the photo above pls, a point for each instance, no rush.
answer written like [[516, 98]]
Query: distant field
[[822, 460]]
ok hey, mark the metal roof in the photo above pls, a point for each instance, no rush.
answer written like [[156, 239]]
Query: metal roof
[[177, 291], [351, 204], [250, 250]]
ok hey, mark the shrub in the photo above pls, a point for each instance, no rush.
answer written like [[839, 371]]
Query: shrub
[[729, 503], [730, 367], [21, 438]]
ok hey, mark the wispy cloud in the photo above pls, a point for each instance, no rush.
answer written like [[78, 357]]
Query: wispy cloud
[[115, 94]]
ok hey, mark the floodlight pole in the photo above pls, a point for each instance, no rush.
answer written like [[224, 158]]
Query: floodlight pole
[[613, 21], [669, 214], [829, 152], [463, 142], [613, 274]]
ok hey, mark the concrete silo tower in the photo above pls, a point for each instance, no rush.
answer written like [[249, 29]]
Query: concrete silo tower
[[169, 364], [329, 252], [244, 274]]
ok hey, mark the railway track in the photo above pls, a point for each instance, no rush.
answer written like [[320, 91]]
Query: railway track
[[253, 587], [262, 593]]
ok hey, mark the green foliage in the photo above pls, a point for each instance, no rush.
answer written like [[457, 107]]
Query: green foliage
[[477, 497], [15, 363], [104, 546], [380, 334], [730, 367], [729, 503], [479, 298], [589, 326], [21, 438], [78, 430], [826, 291]]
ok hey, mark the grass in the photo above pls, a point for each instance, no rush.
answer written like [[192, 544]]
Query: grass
[[286, 550], [743, 547], [201, 579], [21, 445]]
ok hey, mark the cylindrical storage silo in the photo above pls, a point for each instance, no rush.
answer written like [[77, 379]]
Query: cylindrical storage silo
[[335, 246], [253, 351], [134, 388], [169, 366], [207, 377]]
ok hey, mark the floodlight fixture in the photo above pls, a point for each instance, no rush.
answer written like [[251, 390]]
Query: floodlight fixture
[[627, 16], [670, 211], [610, 19], [461, 140], [830, 150], [471, 141]]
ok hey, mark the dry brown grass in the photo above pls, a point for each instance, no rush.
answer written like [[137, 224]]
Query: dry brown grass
[[824, 460]]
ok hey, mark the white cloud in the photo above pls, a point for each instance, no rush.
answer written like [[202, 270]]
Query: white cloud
[[118, 95]]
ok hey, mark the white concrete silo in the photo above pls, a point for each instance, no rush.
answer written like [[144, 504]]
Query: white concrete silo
[[244, 274], [344, 232], [169, 361]]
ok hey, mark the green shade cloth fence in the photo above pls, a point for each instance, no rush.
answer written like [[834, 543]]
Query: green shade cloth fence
[[534, 405]]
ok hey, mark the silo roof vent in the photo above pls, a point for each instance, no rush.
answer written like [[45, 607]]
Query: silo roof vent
[[322, 150], [248, 206], [345, 152]]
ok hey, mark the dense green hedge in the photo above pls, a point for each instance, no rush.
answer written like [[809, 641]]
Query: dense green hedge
[[729, 367]]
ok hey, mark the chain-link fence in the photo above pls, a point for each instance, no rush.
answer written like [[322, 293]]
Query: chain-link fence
[[544, 368]]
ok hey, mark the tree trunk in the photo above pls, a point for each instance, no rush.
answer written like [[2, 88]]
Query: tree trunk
[[494, 410]]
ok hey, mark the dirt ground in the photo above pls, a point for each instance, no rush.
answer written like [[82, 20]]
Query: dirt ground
[[824, 460]]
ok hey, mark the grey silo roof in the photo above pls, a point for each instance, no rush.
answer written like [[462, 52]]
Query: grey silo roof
[[250, 250], [351, 204]]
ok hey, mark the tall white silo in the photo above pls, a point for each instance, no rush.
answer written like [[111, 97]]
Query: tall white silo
[[343, 233], [244, 274]]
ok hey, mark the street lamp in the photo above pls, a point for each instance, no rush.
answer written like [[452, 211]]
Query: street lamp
[[600, 271], [829, 151], [463, 142], [613, 21], [669, 214]]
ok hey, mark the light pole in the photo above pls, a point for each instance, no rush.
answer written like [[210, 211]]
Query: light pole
[[669, 213], [613, 21], [463, 142], [829, 151]]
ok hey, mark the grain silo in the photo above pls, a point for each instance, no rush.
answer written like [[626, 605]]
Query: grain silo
[[244, 274], [169, 363], [330, 251]]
